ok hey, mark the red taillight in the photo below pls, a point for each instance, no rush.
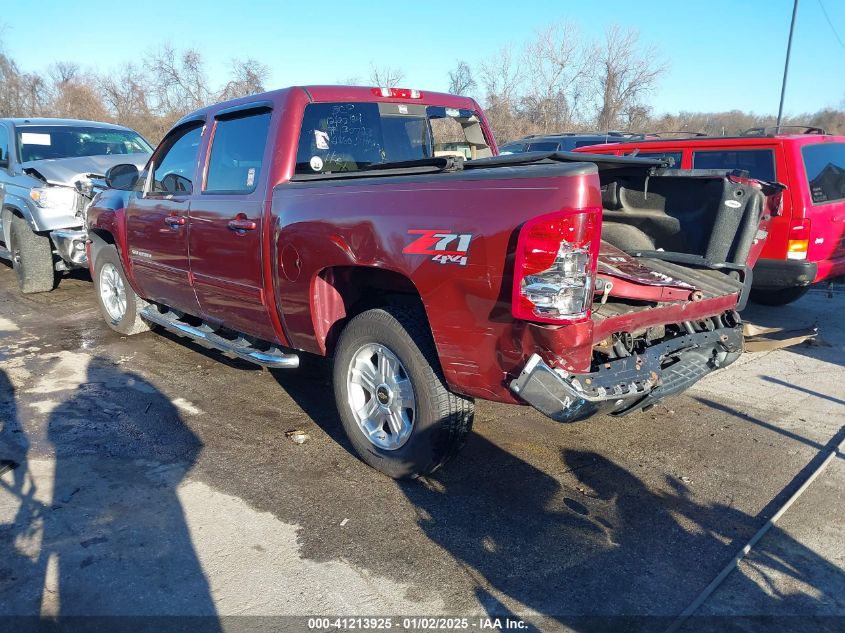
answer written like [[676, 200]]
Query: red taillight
[[555, 266], [798, 242], [397, 93]]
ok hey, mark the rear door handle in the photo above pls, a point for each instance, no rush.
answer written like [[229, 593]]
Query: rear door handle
[[241, 224], [174, 220]]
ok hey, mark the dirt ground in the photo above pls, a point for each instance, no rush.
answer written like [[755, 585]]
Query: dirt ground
[[154, 478]]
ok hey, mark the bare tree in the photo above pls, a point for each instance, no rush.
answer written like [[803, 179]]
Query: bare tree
[[125, 94], [63, 72], [21, 94], [350, 80], [76, 100], [247, 78], [178, 79], [501, 81], [385, 76], [556, 66], [461, 81], [623, 75]]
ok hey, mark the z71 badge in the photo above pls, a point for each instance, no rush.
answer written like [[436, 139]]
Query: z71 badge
[[447, 248]]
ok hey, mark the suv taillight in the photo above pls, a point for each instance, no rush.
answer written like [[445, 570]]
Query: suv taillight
[[798, 242], [555, 266]]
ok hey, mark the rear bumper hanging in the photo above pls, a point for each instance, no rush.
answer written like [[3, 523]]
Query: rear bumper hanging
[[628, 384]]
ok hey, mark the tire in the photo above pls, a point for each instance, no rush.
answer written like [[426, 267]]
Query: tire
[[440, 420], [32, 257], [120, 306], [780, 297]]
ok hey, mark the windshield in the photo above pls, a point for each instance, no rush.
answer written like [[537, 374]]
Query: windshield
[[39, 142], [344, 137], [825, 167]]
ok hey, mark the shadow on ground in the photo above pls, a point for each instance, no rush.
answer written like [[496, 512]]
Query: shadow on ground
[[598, 552], [101, 530]]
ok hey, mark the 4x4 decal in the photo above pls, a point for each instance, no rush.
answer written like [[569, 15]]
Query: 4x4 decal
[[446, 247]]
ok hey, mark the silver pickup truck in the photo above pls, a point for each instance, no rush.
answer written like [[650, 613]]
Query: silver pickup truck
[[50, 170]]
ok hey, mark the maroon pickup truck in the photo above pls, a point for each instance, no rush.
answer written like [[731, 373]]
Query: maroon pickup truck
[[379, 227]]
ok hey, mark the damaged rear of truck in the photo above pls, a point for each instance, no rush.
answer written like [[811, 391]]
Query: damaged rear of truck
[[661, 289], [577, 284]]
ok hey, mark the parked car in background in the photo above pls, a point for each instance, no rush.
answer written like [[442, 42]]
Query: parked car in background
[[51, 169], [806, 241], [565, 142], [346, 222]]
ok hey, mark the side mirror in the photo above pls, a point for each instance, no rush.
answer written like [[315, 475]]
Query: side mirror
[[122, 177]]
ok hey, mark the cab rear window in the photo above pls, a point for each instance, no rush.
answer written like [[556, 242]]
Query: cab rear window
[[759, 163], [345, 137], [824, 164]]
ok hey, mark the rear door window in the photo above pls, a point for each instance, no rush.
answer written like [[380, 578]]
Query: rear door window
[[675, 156], [759, 163], [237, 154], [824, 164]]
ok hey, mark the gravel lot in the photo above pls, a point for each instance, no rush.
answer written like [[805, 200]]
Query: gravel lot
[[155, 478]]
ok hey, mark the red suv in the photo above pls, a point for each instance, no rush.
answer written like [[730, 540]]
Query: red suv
[[806, 242]]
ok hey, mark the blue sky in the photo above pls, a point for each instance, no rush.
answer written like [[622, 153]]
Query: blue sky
[[721, 54]]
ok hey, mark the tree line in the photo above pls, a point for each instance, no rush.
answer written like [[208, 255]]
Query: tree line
[[148, 96], [557, 81], [560, 81]]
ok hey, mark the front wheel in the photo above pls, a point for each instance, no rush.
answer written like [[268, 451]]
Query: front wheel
[[392, 398], [32, 257], [120, 306]]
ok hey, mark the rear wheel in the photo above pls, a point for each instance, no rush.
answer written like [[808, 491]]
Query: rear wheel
[[120, 306], [779, 297], [392, 398], [32, 257]]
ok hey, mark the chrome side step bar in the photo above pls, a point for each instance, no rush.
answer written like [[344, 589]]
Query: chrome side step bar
[[205, 336]]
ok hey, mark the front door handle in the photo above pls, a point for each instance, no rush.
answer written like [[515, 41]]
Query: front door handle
[[174, 220], [241, 224]]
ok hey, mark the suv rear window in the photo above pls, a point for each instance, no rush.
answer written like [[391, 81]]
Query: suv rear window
[[759, 163], [343, 137], [825, 167], [598, 141], [543, 146]]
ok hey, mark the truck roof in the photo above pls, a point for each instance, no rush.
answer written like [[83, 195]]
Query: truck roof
[[328, 93]]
